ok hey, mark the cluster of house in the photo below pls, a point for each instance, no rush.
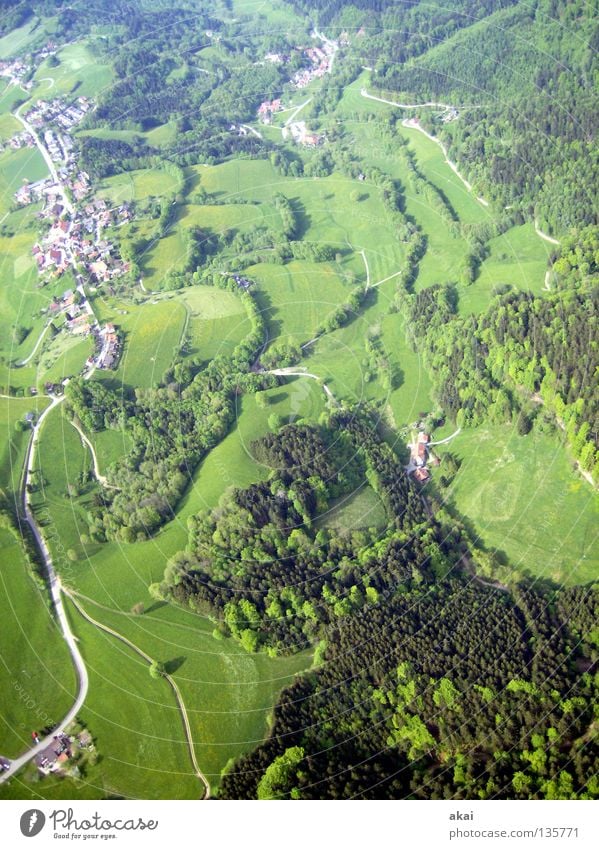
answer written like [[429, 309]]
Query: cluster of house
[[61, 750], [17, 69], [420, 455], [107, 348], [451, 114], [267, 109], [276, 58], [60, 146], [242, 282], [321, 59], [301, 135], [66, 116], [22, 140], [78, 240], [61, 149]]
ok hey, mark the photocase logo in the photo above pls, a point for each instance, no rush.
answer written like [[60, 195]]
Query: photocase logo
[[32, 822]]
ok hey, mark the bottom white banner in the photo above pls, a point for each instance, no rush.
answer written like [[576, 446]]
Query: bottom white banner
[[301, 824]]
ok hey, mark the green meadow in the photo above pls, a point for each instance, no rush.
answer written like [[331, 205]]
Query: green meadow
[[361, 509], [137, 185], [78, 73], [19, 40], [228, 692], [13, 441], [524, 499], [152, 334], [518, 258], [38, 678]]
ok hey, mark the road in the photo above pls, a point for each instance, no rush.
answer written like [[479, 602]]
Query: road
[[447, 438], [51, 167], [412, 124], [544, 236], [37, 344], [55, 594], [291, 371], [363, 254], [102, 479], [364, 93]]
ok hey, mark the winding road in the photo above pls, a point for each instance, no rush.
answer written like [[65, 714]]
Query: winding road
[[292, 371], [544, 236], [102, 479], [413, 124], [37, 344]]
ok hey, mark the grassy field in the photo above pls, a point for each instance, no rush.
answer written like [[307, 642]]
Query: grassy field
[[217, 321], [63, 356], [79, 73], [228, 693], [361, 509], [37, 674], [152, 334], [137, 185], [523, 499], [17, 167], [18, 40], [9, 126], [518, 258], [297, 297], [109, 445], [432, 164], [13, 442]]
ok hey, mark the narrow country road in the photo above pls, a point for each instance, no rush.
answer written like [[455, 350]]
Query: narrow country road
[[37, 344], [412, 124], [55, 593], [544, 236], [180, 703], [363, 255], [447, 438], [364, 93], [292, 371], [99, 476]]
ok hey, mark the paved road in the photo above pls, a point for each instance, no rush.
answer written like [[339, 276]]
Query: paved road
[[55, 593], [42, 149]]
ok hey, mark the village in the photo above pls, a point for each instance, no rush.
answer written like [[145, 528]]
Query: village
[[321, 62], [74, 239]]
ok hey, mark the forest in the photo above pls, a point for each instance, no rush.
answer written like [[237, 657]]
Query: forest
[[528, 359], [427, 684]]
